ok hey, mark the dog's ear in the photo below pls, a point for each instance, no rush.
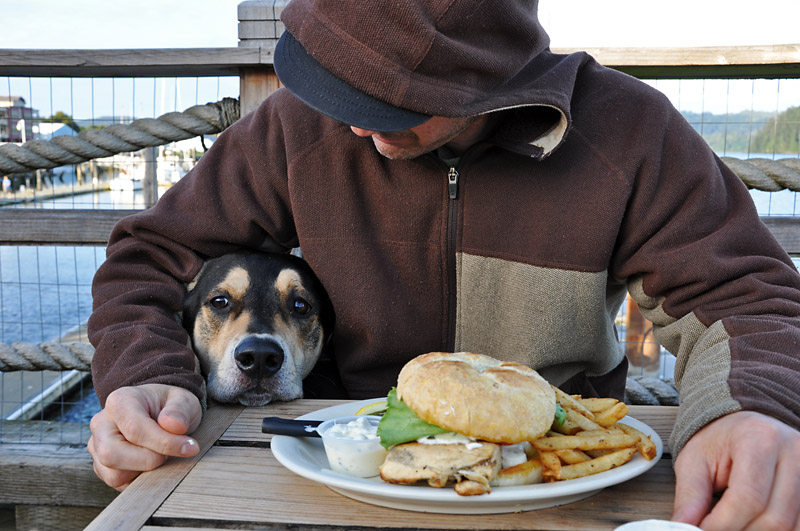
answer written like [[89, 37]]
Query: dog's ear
[[193, 283], [327, 314], [192, 302]]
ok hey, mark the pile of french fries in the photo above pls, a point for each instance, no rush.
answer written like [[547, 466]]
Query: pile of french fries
[[590, 440]]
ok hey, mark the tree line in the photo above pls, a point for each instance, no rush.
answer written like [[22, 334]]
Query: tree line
[[749, 131]]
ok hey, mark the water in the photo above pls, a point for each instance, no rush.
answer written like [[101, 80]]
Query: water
[[45, 291], [79, 407]]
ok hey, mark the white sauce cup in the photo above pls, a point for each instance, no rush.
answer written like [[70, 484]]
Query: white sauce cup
[[350, 448]]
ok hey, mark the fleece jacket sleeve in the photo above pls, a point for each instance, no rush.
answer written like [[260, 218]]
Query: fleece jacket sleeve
[[721, 292], [235, 197]]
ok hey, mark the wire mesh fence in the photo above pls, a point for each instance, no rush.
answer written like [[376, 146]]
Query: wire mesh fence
[[739, 118], [45, 291]]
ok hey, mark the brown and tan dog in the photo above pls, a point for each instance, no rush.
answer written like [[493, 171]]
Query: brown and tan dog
[[258, 324]]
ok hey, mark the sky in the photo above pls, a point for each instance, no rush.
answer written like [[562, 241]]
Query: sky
[[571, 23]]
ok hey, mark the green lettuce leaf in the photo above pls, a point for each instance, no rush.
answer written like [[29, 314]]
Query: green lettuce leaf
[[560, 416], [400, 425]]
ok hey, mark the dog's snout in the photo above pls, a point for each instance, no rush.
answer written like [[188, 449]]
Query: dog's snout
[[258, 357]]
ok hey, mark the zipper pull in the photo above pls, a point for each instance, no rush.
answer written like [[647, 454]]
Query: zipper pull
[[452, 183]]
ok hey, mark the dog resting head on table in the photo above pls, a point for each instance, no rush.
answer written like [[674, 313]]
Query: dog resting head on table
[[258, 323]]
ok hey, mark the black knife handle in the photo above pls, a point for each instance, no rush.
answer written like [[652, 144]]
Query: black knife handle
[[293, 427]]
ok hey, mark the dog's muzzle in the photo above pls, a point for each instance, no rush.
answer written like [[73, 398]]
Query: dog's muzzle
[[258, 357]]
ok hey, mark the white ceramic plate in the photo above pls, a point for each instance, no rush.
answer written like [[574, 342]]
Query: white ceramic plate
[[306, 457]]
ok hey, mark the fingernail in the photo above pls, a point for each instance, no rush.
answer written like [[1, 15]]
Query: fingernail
[[189, 447]]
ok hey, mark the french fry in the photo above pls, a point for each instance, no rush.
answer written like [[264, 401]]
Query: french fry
[[591, 439], [551, 466], [599, 464], [526, 473], [596, 405], [582, 421], [645, 446], [572, 457], [568, 402], [612, 415], [588, 440], [598, 453], [568, 427]]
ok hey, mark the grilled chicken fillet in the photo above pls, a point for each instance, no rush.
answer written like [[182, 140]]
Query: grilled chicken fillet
[[471, 468]]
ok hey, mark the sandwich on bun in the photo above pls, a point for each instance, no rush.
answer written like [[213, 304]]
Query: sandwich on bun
[[451, 413]]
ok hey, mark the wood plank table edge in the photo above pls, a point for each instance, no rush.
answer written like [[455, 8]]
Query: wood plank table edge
[[136, 504]]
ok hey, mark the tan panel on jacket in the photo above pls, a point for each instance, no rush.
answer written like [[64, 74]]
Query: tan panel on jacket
[[702, 366], [542, 317]]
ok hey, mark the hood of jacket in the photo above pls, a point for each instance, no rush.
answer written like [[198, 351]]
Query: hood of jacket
[[448, 58]]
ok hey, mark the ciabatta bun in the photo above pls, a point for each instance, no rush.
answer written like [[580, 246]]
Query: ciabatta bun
[[478, 396]]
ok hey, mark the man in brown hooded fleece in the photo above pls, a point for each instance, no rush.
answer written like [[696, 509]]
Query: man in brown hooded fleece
[[458, 187]]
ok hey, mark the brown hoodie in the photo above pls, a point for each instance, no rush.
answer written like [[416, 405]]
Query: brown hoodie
[[590, 185]]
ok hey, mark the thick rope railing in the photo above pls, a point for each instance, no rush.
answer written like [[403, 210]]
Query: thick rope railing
[[757, 173], [90, 144], [51, 356], [45, 356], [766, 174], [651, 391]]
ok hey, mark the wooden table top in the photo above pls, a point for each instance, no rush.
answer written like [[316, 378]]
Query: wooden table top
[[236, 482]]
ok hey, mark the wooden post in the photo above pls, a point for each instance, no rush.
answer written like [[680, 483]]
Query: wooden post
[[259, 27], [150, 181], [641, 348], [255, 84]]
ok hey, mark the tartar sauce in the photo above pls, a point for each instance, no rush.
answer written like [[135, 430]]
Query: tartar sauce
[[450, 437], [514, 454], [357, 430]]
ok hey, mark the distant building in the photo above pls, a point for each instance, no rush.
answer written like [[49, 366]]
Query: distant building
[[12, 110]]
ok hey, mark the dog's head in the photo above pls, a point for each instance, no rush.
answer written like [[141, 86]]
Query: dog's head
[[258, 323]]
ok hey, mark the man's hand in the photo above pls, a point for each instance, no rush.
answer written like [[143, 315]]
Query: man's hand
[[139, 428], [755, 459]]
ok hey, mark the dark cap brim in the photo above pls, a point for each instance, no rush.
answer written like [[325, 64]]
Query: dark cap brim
[[307, 79]]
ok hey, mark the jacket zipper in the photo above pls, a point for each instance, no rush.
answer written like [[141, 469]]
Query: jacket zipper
[[452, 183], [451, 240]]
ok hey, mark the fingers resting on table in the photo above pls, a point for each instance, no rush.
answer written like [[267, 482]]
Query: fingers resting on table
[[754, 462], [140, 427]]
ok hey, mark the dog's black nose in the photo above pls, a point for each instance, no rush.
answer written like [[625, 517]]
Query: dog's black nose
[[258, 357]]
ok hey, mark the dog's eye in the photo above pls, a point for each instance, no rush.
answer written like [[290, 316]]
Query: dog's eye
[[301, 306], [219, 302]]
